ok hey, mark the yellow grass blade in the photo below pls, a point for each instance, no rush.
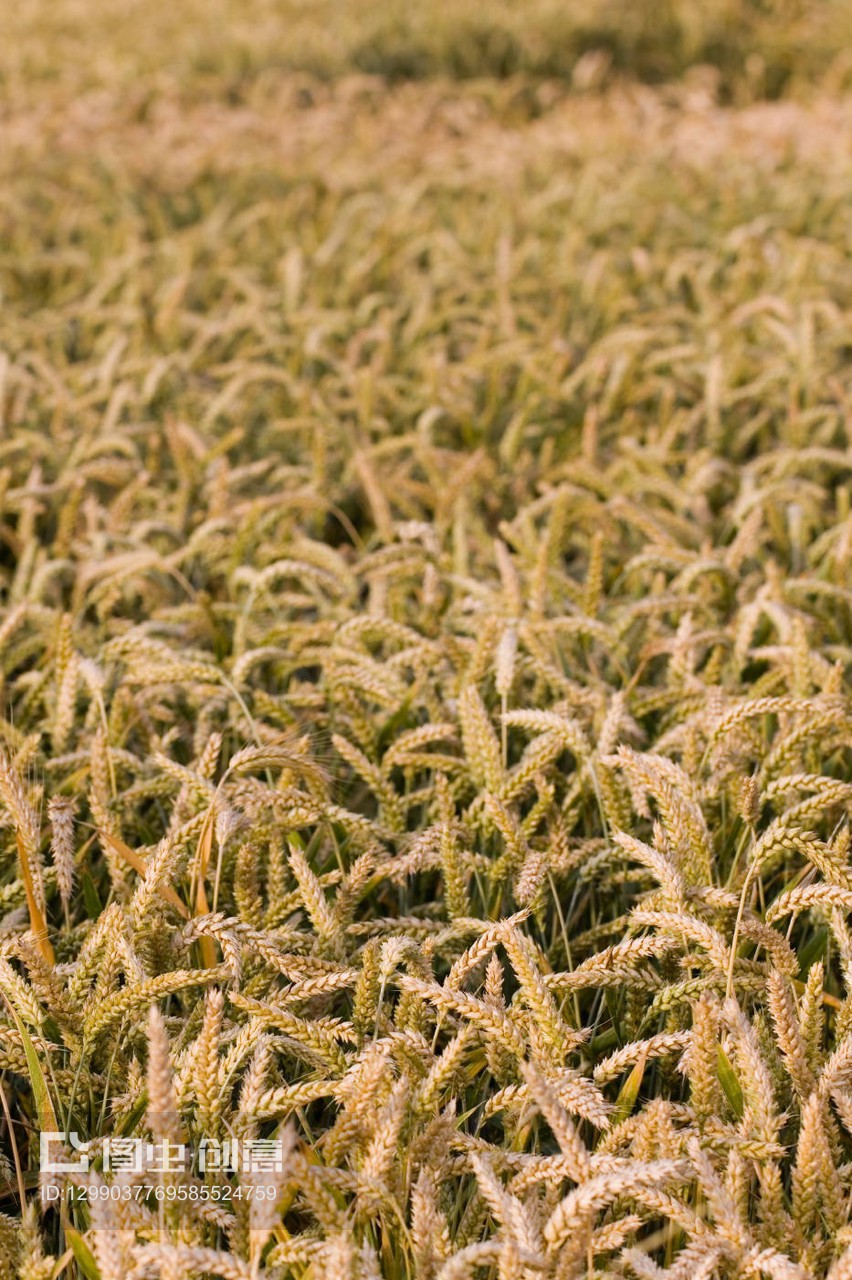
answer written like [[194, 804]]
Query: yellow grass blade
[[205, 844], [38, 924], [138, 864]]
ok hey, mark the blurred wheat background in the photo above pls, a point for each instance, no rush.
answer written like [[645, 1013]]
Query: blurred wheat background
[[426, 636]]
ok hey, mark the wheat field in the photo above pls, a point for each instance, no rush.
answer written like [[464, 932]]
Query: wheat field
[[425, 641]]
